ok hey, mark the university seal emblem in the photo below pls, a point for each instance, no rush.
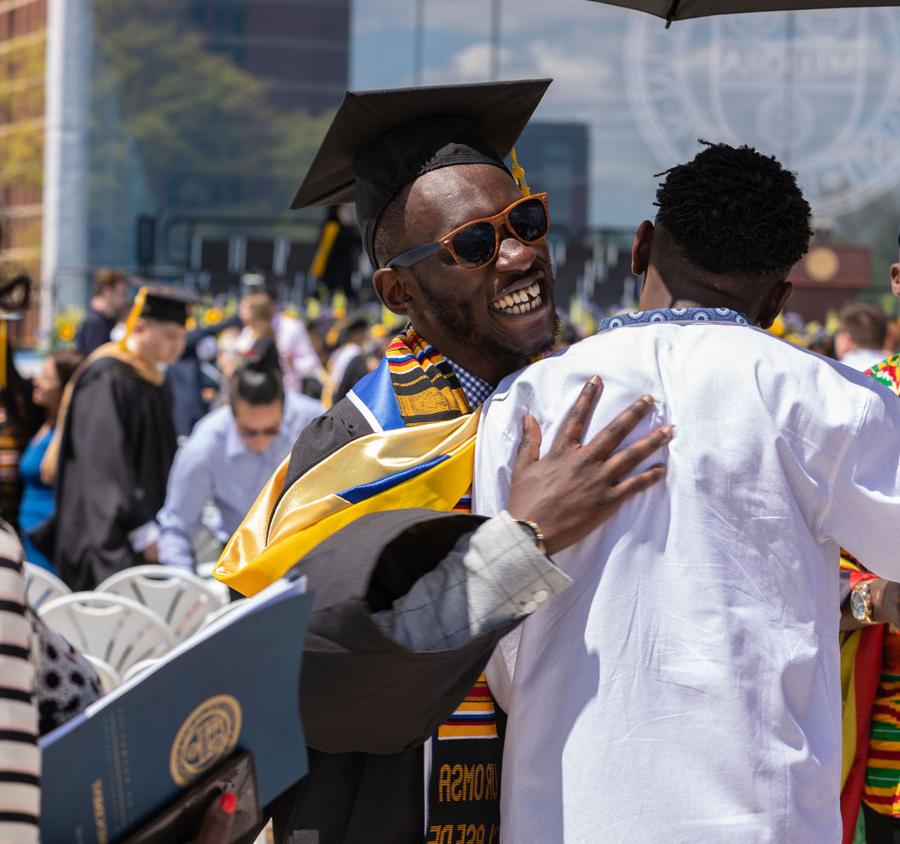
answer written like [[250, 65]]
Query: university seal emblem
[[819, 90], [208, 735]]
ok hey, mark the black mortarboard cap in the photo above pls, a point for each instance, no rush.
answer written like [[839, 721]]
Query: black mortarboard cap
[[168, 304], [380, 141]]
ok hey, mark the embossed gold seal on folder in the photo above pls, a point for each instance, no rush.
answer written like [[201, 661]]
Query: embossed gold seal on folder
[[208, 735]]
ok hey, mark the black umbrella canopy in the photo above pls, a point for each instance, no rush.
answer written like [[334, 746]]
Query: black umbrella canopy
[[673, 10]]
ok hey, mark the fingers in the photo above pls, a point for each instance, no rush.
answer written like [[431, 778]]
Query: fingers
[[638, 483], [530, 445], [612, 436], [622, 462], [572, 431]]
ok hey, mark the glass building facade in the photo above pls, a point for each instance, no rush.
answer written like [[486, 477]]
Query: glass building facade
[[173, 123]]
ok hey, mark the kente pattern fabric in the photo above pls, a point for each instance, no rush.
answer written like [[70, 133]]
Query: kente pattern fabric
[[428, 390], [888, 373], [674, 315], [425, 384], [882, 784], [861, 652]]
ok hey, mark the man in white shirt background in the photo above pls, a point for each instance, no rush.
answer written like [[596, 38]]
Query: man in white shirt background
[[229, 456], [686, 687], [860, 340]]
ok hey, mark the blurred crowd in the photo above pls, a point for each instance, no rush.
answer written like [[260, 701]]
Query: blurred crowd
[[253, 372]]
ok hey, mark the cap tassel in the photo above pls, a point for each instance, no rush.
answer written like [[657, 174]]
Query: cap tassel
[[134, 315], [518, 173]]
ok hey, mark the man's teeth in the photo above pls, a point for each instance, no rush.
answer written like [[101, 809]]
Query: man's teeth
[[520, 302]]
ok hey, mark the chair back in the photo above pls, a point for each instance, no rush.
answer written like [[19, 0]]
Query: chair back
[[182, 600], [223, 611], [42, 586], [105, 672], [139, 668], [110, 627]]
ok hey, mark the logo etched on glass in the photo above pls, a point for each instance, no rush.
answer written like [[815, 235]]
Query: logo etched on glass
[[819, 90]]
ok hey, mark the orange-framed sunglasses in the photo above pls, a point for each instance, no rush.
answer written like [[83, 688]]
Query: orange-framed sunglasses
[[477, 243]]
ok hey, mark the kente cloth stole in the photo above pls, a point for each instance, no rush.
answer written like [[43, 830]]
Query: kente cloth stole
[[871, 694], [888, 373], [464, 786], [861, 653]]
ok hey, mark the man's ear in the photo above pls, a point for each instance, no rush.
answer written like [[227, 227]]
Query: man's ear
[[640, 248], [391, 288], [774, 303], [895, 279]]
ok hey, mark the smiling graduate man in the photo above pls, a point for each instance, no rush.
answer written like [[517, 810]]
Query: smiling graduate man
[[410, 601]]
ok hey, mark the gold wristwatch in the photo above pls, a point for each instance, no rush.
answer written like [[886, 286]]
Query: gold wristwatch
[[535, 530], [861, 603]]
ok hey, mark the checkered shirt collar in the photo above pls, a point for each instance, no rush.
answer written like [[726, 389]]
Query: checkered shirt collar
[[476, 389]]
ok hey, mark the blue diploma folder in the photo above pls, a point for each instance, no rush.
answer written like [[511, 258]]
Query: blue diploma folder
[[234, 686]]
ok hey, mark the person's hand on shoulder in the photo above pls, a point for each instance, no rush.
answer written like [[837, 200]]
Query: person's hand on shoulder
[[576, 487]]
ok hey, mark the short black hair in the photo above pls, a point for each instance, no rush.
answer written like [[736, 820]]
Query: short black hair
[[258, 379], [733, 211]]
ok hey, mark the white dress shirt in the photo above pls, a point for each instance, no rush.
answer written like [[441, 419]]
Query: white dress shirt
[[686, 688], [215, 466], [863, 359]]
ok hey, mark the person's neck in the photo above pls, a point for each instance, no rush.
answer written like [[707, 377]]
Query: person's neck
[[472, 359], [101, 306], [659, 293]]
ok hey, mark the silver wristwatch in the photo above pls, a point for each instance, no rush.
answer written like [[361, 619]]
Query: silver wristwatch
[[861, 603]]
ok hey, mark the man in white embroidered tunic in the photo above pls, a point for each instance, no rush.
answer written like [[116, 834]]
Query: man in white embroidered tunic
[[686, 688]]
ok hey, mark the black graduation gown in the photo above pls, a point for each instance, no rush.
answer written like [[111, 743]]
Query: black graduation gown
[[368, 705], [118, 443]]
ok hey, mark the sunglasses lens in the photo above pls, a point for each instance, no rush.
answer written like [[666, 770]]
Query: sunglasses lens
[[528, 220], [474, 245]]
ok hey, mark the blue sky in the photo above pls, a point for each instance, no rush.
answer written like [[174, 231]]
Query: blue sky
[[825, 100]]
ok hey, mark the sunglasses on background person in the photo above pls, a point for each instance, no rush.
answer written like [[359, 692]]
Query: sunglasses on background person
[[258, 433], [477, 243]]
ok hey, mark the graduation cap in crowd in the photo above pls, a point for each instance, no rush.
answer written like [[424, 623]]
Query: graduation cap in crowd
[[380, 141], [162, 303]]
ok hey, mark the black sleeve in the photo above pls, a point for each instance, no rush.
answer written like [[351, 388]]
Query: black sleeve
[[356, 681]]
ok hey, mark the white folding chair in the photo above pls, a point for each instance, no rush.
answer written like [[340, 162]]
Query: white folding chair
[[107, 675], [138, 668], [220, 612], [42, 586], [182, 600], [205, 573], [113, 628]]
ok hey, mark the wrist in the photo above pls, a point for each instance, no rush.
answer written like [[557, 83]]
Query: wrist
[[534, 531], [884, 596]]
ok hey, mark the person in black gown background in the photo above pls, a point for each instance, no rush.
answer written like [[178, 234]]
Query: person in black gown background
[[114, 446]]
